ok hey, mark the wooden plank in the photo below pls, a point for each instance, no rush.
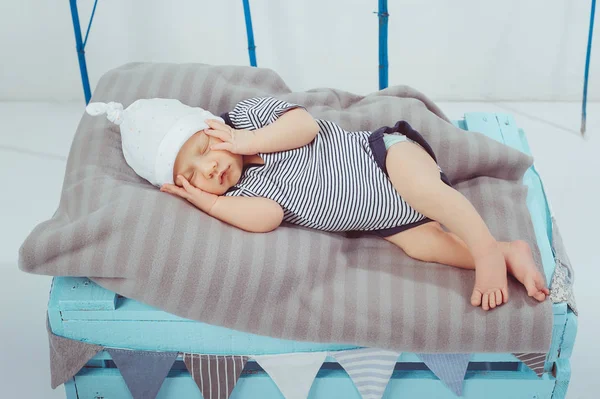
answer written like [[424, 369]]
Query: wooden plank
[[108, 383], [404, 357], [71, 389], [524, 142], [563, 376], [539, 213], [568, 341], [485, 123], [54, 316], [560, 319], [79, 293], [536, 198], [509, 131]]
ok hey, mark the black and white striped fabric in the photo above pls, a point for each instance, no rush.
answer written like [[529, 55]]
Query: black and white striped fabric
[[333, 183]]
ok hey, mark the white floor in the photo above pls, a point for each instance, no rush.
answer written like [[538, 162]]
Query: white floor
[[34, 142]]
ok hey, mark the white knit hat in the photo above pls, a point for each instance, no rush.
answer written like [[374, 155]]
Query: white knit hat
[[152, 133]]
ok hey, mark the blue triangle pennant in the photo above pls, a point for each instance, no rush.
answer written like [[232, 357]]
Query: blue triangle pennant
[[450, 368], [143, 371]]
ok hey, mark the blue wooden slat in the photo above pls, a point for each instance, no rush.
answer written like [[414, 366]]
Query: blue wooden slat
[[536, 197], [485, 123], [108, 383], [79, 293], [404, 357], [566, 349], [510, 131], [560, 320], [563, 376], [71, 389]]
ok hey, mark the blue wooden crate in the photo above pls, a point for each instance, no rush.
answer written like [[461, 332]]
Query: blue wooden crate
[[79, 309]]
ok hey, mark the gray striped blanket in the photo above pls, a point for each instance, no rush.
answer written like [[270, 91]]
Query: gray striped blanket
[[292, 283]]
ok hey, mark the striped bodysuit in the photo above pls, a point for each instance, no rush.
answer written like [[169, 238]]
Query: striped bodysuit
[[338, 182]]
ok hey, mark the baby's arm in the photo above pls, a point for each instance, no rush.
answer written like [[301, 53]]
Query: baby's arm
[[253, 214], [294, 129], [265, 125]]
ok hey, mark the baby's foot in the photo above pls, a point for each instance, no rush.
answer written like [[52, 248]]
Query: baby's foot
[[490, 288], [519, 262]]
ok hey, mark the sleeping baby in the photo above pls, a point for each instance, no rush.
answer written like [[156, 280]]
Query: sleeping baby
[[269, 161]]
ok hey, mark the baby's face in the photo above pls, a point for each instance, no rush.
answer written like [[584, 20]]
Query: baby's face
[[213, 171]]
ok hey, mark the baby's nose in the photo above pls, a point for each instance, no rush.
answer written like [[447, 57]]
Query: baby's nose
[[212, 169]]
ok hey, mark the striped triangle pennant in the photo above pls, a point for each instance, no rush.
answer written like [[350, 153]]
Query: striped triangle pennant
[[534, 361], [450, 368], [143, 371], [293, 373], [215, 375], [369, 368]]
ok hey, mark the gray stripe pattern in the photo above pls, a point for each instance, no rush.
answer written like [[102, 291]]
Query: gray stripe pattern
[[293, 283]]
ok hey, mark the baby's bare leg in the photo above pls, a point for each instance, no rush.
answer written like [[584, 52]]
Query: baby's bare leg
[[430, 243], [416, 177]]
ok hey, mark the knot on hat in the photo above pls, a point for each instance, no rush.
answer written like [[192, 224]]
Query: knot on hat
[[113, 111]]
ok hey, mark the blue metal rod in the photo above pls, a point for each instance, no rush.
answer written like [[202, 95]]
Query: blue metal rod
[[80, 52], [250, 33], [587, 68], [90, 23], [383, 44]]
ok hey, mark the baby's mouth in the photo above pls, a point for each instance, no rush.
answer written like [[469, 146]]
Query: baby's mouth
[[223, 174]]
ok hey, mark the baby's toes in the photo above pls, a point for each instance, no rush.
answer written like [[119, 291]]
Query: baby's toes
[[498, 298], [540, 296], [529, 284], [492, 300], [505, 294], [476, 298], [485, 304]]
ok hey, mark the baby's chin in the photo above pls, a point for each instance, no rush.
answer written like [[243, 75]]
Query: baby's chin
[[220, 190]]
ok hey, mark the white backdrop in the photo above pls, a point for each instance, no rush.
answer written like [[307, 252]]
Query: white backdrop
[[450, 50]]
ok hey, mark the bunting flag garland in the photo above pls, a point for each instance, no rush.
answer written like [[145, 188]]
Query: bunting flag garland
[[293, 373], [450, 368], [534, 361], [215, 375], [370, 369], [143, 371], [67, 356]]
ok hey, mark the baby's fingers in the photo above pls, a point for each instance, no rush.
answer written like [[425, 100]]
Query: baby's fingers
[[224, 146], [176, 190], [220, 134], [186, 184], [216, 124]]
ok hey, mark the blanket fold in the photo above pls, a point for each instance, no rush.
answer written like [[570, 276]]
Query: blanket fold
[[292, 283]]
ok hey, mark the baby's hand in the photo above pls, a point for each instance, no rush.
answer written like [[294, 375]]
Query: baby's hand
[[235, 141], [200, 199]]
